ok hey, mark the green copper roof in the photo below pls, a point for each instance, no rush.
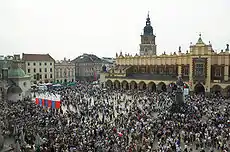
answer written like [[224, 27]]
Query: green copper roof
[[18, 72]]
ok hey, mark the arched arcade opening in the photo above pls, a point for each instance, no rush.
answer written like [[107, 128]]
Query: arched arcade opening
[[227, 91], [161, 87], [199, 89], [109, 84], [117, 84], [133, 85], [125, 85], [216, 89], [142, 85], [152, 86], [14, 93]]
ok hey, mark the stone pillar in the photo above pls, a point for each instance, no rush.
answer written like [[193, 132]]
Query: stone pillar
[[208, 79], [226, 71], [179, 71], [207, 90], [191, 83], [141, 86], [129, 86]]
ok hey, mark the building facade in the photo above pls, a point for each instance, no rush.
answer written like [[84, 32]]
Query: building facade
[[87, 67], [108, 62], [4, 66], [19, 84], [40, 67], [201, 68], [148, 45], [64, 71], [14, 83]]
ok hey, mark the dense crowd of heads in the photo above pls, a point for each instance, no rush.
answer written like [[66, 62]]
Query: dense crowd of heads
[[95, 119]]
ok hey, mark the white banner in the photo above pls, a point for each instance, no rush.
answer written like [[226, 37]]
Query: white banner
[[186, 91], [49, 96]]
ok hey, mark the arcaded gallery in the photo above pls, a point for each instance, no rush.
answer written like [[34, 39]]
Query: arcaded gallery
[[202, 69]]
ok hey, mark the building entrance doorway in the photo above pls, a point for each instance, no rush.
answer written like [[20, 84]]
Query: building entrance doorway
[[199, 89]]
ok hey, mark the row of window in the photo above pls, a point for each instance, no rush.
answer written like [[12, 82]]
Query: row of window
[[86, 74], [87, 64], [161, 70], [90, 74], [45, 76], [64, 74], [91, 69], [40, 70], [61, 69], [64, 80], [200, 70], [39, 63]]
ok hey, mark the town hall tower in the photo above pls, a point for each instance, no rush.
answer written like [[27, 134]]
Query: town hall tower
[[148, 46]]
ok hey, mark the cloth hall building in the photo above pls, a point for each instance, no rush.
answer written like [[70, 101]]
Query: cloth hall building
[[201, 68]]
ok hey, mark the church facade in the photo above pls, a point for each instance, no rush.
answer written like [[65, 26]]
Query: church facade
[[201, 68]]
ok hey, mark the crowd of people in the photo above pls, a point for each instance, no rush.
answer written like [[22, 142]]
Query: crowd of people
[[92, 119]]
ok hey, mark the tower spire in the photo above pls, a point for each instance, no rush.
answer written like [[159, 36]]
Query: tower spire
[[148, 22], [148, 45]]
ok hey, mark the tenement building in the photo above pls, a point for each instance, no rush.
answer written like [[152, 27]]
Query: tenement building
[[87, 67], [64, 71], [39, 66], [201, 68]]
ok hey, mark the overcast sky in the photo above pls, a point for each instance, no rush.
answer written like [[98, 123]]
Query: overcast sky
[[68, 28]]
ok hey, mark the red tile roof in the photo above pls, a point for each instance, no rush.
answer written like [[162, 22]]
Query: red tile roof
[[37, 57]]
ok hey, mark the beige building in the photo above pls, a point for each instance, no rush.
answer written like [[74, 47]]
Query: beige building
[[64, 71], [202, 68], [39, 66]]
